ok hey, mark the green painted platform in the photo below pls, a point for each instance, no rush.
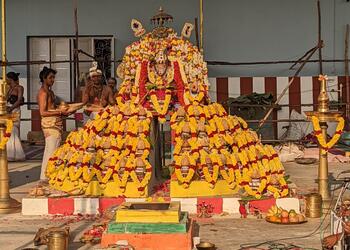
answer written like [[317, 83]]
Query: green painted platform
[[150, 228]]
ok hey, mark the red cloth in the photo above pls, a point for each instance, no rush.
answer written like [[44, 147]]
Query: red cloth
[[179, 84]]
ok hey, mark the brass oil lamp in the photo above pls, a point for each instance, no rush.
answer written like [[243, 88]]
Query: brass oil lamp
[[324, 115]]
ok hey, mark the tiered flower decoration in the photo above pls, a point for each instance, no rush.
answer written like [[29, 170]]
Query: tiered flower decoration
[[145, 86], [222, 147], [111, 148], [210, 145]]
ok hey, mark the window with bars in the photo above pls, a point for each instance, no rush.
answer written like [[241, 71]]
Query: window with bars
[[57, 52]]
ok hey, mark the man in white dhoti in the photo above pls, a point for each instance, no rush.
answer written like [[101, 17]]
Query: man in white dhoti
[[14, 101], [51, 117]]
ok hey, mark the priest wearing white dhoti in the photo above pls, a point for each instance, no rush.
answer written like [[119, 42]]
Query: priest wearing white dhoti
[[51, 117]]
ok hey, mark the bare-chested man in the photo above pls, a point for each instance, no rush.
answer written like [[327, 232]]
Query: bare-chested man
[[51, 117], [96, 95]]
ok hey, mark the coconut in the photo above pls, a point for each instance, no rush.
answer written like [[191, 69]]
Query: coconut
[[127, 111], [274, 180], [186, 146], [115, 110], [201, 126], [186, 128], [181, 113], [142, 113], [223, 159], [185, 161], [196, 112], [107, 144], [225, 124], [140, 163], [255, 174], [208, 160], [140, 129], [140, 145]]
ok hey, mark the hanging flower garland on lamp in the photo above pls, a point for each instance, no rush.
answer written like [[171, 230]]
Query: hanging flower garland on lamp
[[7, 133], [321, 140]]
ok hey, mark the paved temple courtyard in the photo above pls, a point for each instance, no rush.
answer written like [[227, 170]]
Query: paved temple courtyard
[[17, 231]]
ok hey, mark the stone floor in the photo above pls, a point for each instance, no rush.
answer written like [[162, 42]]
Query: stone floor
[[17, 231]]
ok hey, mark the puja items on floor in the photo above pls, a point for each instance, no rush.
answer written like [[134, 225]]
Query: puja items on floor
[[281, 216], [94, 234], [41, 237]]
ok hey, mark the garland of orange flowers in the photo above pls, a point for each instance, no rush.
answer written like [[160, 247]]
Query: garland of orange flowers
[[7, 133], [325, 147], [142, 184], [184, 181], [230, 174], [121, 181], [279, 193], [161, 110], [190, 99], [211, 179], [256, 164]]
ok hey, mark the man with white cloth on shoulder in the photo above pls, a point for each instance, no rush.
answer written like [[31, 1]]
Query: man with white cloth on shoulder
[[51, 117], [96, 95]]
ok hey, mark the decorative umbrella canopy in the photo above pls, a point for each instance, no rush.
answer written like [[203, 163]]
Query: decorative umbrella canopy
[[161, 17]]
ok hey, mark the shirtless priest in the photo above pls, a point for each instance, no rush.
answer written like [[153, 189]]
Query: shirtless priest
[[96, 96], [51, 117]]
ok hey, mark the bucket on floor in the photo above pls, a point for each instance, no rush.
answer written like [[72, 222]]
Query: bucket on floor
[[313, 205], [58, 240]]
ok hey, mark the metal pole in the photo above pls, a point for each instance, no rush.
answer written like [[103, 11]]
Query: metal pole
[[76, 48], [201, 23], [3, 38], [347, 82], [319, 36], [323, 185], [7, 205]]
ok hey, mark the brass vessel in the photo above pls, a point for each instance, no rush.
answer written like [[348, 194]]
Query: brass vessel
[[57, 240], [205, 246], [313, 205]]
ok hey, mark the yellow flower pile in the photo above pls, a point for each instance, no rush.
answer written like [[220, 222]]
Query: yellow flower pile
[[221, 146], [107, 149]]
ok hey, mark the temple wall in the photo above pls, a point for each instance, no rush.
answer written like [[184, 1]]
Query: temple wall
[[235, 31]]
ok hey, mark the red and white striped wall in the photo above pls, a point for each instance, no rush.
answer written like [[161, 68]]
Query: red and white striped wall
[[304, 90], [69, 206]]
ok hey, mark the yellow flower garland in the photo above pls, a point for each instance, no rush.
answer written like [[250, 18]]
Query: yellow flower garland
[[184, 181], [211, 179], [142, 184], [190, 99], [321, 140], [7, 134], [161, 110]]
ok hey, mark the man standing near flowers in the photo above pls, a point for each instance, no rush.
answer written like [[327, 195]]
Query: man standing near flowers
[[51, 117], [96, 95]]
